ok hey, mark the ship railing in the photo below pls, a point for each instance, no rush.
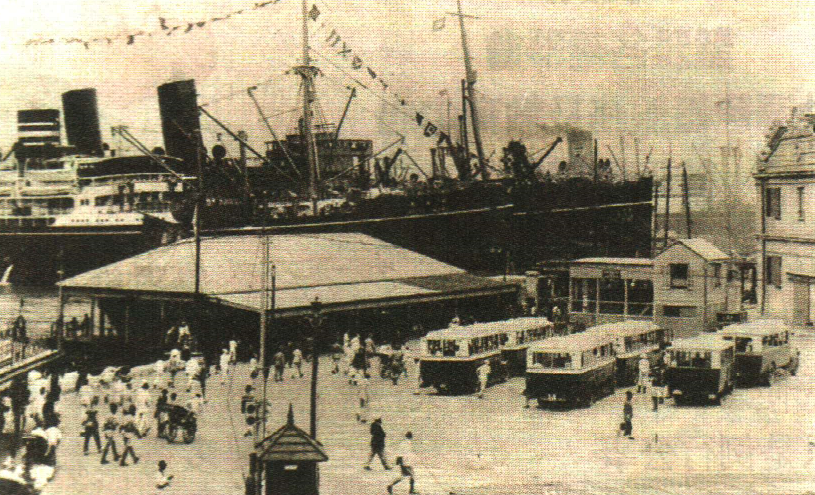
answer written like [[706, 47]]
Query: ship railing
[[16, 351], [108, 179]]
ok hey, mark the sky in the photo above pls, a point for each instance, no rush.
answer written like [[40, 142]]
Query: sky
[[642, 71]]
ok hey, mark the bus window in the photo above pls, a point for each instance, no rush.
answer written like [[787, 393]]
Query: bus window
[[450, 348], [557, 360], [744, 344], [504, 338], [520, 337], [629, 344], [433, 347]]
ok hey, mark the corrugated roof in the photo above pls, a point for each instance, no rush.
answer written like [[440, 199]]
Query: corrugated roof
[[703, 248], [232, 264], [616, 261]]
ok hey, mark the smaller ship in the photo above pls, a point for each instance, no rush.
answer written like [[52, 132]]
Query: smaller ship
[[60, 203]]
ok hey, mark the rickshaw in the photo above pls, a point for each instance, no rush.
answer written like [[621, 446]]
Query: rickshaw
[[177, 422]]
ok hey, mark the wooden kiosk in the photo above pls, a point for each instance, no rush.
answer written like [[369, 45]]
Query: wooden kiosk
[[289, 459]]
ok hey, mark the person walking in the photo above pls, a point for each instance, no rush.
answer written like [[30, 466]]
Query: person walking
[[656, 392], [162, 478], [644, 378], [336, 356], [628, 415], [90, 427], [370, 350], [377, 445], [297, 361], [224, 365], [161, 405], [109, 429], [279, 361], [288, 352], [54, 436], [404, 460], [483, 377], [233, 352], [128, 430], [364, 399]]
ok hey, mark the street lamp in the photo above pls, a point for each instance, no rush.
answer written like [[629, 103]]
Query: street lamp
[[315, 320]]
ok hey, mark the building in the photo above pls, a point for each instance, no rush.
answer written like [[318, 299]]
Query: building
[[690, 286], [365, 285], [785, 182], [608, 290]]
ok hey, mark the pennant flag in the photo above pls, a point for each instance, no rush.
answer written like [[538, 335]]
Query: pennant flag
[[109, 40], [201, 24], [403, 102], [356, 62], [443, 92], [314, 13], [444, 138], [87, 46], [419, 118], [163, 23], [371, 73], [384, 84], [130, 39], [345, 50], [430, 129], [438, 24], [189, 27]]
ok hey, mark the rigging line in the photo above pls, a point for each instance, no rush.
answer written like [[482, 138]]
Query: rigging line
[[239, 92], [342, 83], [351, 76]]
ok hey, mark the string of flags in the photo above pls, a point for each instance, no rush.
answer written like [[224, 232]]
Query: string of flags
[[164, 28], [340, 47]]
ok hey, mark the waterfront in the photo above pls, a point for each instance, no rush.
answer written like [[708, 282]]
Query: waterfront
[[40, 308], [756, 442]]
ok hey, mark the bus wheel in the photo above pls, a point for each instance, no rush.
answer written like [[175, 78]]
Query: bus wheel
[[770, 375], [794, 367]]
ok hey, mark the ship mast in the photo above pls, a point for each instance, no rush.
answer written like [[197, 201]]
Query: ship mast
[[471, 80], [307, 72]]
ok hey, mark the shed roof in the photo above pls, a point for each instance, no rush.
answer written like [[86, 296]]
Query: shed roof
[[615, 261], [575, 342], [624, 328], [703, 248], [338, 268]]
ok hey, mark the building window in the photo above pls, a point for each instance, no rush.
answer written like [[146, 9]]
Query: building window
[[801, 210], [679, 311], [772, 202], [717, 274], [772, 269], [679, 275]]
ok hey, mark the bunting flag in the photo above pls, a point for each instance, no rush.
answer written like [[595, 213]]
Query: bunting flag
[[438, 24], [163, 27], [342, 49], [314, 13]]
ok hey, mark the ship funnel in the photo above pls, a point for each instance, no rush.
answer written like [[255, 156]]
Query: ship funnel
[[82, 121], [180, 124]]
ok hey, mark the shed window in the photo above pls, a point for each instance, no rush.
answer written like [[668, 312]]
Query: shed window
[[772, 200], [801, 209], [717, 274], [679, 275], [772, 269]]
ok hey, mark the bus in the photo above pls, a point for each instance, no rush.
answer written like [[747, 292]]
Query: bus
[[631, 340], [573, 370], [702, 367], [450, 357], [522, 333], [762, 347]]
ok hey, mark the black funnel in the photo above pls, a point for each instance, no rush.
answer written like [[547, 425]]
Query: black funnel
[[180, 124], [82, 121]]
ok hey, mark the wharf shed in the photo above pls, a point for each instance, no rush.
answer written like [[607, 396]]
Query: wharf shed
[[365, 285]]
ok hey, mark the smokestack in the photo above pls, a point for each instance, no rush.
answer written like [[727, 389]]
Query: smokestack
[[82, 121], [180, 124], [38, 127]]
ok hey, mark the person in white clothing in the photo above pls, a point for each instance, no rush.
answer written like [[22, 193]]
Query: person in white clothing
[[644, 374], [404, 459], [364, 400], [483, 378], [297, 361], [224, 365], [233, 352]]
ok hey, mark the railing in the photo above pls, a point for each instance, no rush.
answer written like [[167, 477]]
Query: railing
[[612, 308]]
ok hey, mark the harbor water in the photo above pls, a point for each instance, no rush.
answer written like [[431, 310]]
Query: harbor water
[[39, 306]]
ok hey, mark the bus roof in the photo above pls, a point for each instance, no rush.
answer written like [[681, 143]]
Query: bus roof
[[487, 328], [574, 342], [705, 342], [757, 328], [624, 328]]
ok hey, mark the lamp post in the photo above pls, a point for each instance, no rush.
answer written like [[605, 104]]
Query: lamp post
[[315, 320]]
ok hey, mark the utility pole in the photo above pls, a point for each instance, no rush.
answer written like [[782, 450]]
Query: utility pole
[[197, 220], [686, 196], [667, 202]]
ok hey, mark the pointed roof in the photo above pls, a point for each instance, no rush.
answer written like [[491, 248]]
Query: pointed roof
[[703, 248], [290, 444]]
